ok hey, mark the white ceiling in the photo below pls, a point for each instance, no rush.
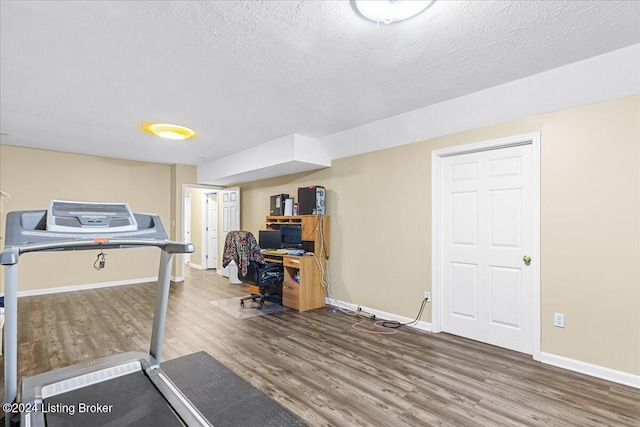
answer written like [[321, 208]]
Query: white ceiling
[[83, 77]]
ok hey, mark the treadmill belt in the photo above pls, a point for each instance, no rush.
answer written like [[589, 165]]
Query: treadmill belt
[[130, 400], [222, 397]]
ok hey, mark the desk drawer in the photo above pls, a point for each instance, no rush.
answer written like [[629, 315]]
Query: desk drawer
[[291, 295], [291, 262]]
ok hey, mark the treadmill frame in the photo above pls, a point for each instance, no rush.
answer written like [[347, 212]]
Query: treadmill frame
[[19, 231]]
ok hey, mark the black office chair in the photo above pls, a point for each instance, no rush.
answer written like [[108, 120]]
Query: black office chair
[[242, 248]]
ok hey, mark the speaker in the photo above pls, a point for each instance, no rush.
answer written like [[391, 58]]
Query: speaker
[[277, 204], [311, 200]]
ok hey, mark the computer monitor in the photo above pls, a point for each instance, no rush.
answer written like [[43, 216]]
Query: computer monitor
[[270, 239], [291, 236]]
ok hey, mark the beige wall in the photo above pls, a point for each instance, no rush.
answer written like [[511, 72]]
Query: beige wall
[[180, 175], [34, 177], [380, 205]]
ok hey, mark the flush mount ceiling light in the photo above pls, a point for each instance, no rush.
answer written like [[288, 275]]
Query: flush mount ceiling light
[[389, 11], [169, 131]]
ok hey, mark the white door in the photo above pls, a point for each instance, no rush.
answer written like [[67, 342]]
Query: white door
[[230, 216], [487, 213], [212, 230], [187, 224]]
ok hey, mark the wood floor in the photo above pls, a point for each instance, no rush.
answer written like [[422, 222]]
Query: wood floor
[[316, 365]]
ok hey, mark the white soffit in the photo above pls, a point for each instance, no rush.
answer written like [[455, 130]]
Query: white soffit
[[609, 76], [283, 156], [612, 75]]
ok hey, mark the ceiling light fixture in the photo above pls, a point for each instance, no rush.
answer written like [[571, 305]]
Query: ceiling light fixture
[[169, 131], [388, 11]]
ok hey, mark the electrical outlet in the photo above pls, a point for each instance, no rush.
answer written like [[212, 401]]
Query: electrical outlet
[[427, 296], [558, 320]]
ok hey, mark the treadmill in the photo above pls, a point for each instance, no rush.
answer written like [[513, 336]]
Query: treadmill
[[128, 388]]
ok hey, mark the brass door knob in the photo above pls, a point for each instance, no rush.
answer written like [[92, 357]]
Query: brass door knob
[[526, 259]]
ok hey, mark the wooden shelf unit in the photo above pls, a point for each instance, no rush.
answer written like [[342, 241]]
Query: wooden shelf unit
[[302, 288], [316, 231]]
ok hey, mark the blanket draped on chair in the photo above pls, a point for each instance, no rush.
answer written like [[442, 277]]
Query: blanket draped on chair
[[241, 247]]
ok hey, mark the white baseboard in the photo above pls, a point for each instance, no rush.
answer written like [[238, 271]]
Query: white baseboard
[[177, 279], [597, 371], [196, 266], [423, 326], [86, 286]]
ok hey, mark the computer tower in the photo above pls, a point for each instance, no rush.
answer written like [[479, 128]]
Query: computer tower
[[311, 200], [277, 204]]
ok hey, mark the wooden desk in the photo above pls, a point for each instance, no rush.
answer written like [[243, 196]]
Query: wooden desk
[[302, 288]]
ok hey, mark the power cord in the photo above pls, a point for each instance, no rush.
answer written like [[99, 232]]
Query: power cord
[[324, 271], [389, 326], [394, 324]]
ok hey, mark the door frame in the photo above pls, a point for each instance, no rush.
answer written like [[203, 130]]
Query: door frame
[[186, 225], [532, 139], [205, 233]]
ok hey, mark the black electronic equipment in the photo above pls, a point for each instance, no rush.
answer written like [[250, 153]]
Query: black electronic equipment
[[311, 200], [277, 204], [269, 239], [291, 236]]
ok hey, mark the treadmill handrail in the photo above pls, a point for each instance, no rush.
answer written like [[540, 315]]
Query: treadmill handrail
[[71, 245]]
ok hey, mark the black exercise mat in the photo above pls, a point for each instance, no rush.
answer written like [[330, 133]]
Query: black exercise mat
[[129, 400], [224, 398]]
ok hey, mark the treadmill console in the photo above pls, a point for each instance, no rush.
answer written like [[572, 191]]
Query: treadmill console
[[87, 217], [84, 225]]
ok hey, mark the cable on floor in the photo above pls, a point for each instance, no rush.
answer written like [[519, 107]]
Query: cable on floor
[[394, 324], [390, 326]]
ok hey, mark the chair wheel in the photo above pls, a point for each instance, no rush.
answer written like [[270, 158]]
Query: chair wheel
[[260, 307], [241, 303]]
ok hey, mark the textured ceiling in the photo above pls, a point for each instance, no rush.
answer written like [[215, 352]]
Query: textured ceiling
[[84, 76]]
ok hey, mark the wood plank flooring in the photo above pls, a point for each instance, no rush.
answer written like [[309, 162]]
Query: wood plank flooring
[[316, 365]]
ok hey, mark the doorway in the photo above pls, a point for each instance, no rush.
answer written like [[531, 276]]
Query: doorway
[[187, 225], [486, 234], [200, 224], [209, 213]]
